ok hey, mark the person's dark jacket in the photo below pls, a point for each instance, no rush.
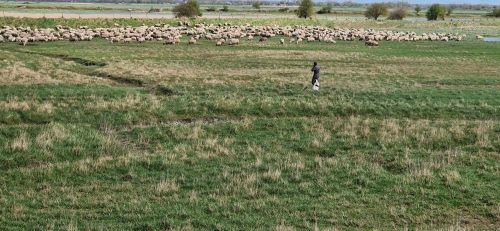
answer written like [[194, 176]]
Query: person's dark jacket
[[315, 77]]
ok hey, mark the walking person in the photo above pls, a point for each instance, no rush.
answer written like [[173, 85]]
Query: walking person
[[315, 78]]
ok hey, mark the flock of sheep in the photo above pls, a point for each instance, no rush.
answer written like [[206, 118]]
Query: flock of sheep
[[221, 34]]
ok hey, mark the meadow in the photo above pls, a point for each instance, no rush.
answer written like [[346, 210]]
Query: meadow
[[101, 136]]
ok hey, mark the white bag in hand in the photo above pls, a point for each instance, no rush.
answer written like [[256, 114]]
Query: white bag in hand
[[316, 85]]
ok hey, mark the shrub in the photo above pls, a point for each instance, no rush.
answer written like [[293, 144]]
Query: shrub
[[154, 10], [225, 9], [417, 10], [189, 9], [326, 9], [283, 10], [397, 14], [376, 10], [449, 11], [495, 13], [305, 9], [256, 5], [435, 12], [211, 9]]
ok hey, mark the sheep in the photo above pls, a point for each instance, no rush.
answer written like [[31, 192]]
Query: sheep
[[169, 42], [371, 43], [282, 41], [330, 40], [234, 41], [23, 41], [192, 41], [114, 39], [219, 43], [162, 32], [479, 37]]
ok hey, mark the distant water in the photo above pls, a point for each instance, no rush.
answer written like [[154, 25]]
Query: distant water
[[492, 39]]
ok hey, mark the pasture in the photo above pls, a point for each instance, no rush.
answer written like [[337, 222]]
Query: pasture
[[126, 136]]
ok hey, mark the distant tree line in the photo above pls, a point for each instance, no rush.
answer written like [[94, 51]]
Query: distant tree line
[[258, 3], [190, 8]]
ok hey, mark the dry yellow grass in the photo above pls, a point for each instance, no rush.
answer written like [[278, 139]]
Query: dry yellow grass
[[20, 143], [167, 185], [54, 133]]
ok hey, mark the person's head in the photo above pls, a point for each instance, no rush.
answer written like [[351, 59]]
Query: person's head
[[315, 63]]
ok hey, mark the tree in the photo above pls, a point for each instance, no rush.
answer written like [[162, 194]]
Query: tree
[[256, 5], [435, 12], [449, 11], [495, 13], [417, 10], [376, 10], [305, 9], [397, 14], [326, 9], [211, 9], [189, 9]]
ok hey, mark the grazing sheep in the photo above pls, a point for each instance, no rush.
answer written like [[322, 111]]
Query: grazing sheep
[[479, 37], [219, 43], [371, 43], [162, 32], [330, 40], [234, 41], [23, 41], [115, 40], [192, 41], [169, 42]]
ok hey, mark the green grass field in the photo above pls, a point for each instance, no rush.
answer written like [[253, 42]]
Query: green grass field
[[100, 136]]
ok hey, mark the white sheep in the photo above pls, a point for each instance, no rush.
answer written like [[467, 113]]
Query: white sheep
[[372, 43], [192, 41], [234, 41]]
